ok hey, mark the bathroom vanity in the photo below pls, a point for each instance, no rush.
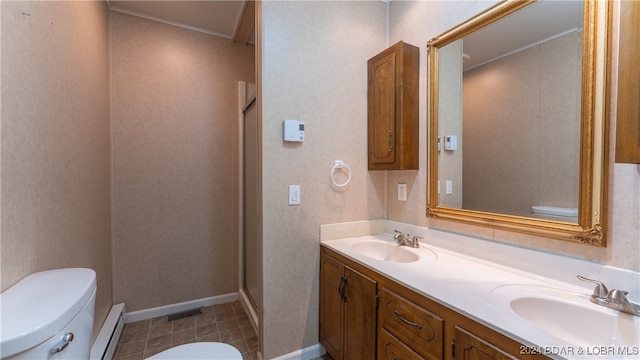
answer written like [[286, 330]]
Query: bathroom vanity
[[381, 300], [409, 324]]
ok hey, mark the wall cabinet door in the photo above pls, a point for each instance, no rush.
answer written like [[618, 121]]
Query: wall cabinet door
[[393, 77], [628, 116], [347, 311]]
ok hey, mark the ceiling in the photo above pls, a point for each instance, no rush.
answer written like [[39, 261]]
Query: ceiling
[[232, 19], [235, 20], [534, 24]]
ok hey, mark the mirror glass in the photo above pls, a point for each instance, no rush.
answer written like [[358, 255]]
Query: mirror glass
[[516, 113]]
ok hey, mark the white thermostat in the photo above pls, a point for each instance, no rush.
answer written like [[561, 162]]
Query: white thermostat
[[451, 142], [293, 130]]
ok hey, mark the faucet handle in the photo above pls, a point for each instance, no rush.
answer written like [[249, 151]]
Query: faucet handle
[[600, 291], [617, 295], [400, 237], [415, 241]]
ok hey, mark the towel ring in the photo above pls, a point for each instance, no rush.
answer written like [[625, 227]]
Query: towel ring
[[339, 165]]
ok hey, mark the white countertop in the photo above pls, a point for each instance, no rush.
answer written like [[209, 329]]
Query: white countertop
[[479, 279]]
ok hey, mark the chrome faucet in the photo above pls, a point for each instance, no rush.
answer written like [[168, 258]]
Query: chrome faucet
[[404, 240], [614, 299]]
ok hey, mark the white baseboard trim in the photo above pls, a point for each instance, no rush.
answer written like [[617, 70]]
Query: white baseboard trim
[[104, 346], [176, 308], [307, 353]]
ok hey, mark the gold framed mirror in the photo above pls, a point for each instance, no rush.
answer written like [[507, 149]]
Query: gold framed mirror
[[549, 177]]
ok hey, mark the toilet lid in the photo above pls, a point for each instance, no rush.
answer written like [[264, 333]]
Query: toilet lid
[[200, 350]]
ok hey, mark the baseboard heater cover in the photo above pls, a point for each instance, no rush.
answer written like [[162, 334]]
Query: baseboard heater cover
[[104, 346]]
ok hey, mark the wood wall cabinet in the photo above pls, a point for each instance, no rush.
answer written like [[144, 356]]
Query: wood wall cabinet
[[628, 113], [409, 325], [347, 312], [393, 77]]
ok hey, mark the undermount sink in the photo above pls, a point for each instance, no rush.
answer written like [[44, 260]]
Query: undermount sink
[[572, 318], [388, 251]]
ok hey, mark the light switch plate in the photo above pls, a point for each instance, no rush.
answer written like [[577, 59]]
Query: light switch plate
[[294, 194]]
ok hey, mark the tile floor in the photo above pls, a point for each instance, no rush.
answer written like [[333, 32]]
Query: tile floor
[[226, 323]]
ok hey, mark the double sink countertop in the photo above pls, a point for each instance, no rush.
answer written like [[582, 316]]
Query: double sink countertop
[[531, 296]]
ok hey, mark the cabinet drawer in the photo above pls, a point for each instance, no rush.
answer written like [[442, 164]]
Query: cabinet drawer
[[420, 329], [390, 348], [470, 346]]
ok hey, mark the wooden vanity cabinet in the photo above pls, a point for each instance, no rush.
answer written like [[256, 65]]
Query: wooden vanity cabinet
[[432, 331], [393, 78], [402, 325], [347, 310]]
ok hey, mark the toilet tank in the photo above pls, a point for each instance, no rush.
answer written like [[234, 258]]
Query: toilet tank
[[38, 313]]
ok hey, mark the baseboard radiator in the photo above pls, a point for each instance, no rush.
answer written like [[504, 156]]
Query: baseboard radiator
[[104, 346]]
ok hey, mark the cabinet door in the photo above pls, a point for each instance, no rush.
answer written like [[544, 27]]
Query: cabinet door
[[471, 347], [382, 108], [360, 316], [331, 306], [628, 113], [392, 111]]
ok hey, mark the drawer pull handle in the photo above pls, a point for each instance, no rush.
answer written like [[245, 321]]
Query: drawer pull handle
[[407, 321]]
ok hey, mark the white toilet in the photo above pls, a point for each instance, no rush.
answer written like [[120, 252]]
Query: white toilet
[[556, 213], [200, 350], [49, 315]]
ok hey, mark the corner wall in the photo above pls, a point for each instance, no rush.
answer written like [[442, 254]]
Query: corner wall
[[55, 142], [314, 69], [175, 169]]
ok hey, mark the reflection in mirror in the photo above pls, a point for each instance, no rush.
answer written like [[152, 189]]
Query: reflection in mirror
[[512, 117], [518, 155]]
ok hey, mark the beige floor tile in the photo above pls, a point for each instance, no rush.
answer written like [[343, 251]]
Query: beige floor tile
[[219, 323]]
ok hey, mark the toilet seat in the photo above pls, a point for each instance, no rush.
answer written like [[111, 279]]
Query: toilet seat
[[200, 350]]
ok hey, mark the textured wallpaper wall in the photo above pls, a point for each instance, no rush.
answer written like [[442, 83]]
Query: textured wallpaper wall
[[527, 152], [314, 69], [175, 161], [55, 142]]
